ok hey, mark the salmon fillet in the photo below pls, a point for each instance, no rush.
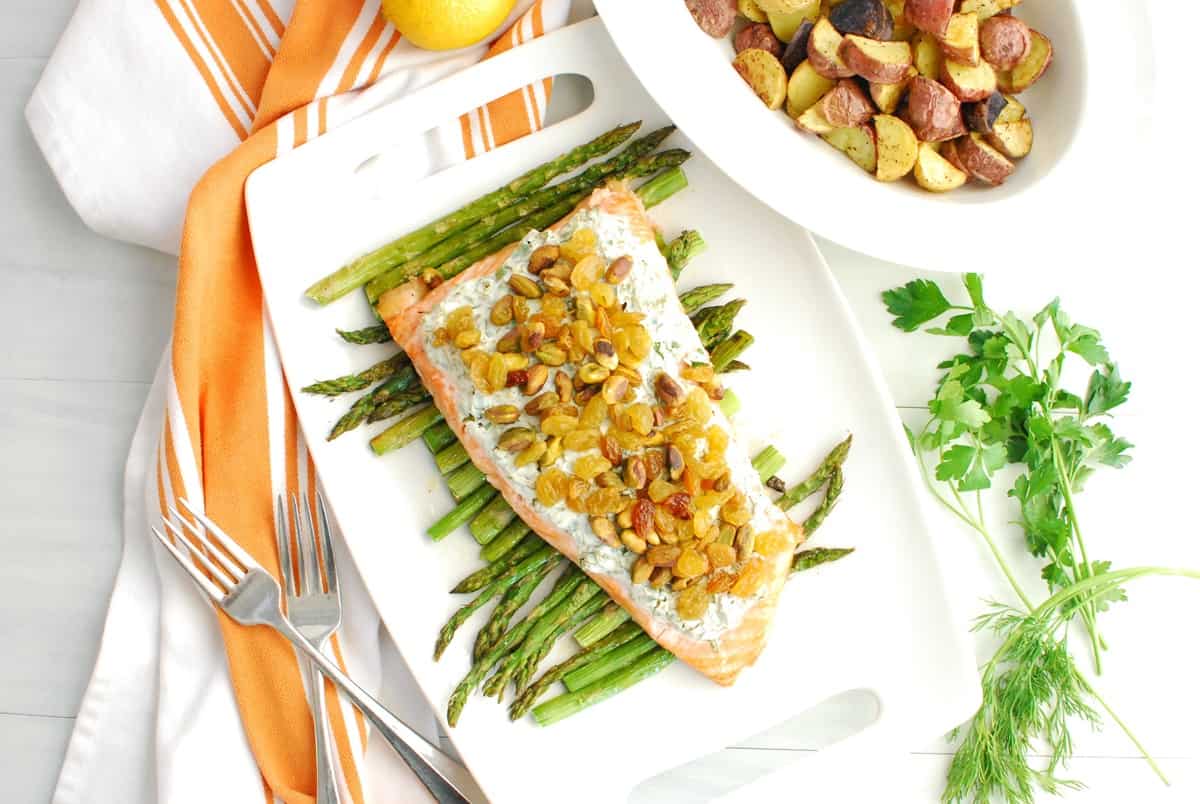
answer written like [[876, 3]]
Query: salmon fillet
[[733, 628]]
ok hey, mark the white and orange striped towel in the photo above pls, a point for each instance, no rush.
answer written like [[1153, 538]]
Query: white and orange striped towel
[[152, 115]]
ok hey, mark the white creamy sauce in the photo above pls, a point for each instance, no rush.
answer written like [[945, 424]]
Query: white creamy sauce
[[649, 290]]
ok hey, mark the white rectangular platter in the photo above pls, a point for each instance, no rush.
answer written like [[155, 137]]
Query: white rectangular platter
[[875, 621]]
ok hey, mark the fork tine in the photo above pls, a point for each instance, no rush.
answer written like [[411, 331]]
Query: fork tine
[[283, 536], [234, 571], [310, 572], [222, 577], [221, 536], [325, 537], [207, 586]]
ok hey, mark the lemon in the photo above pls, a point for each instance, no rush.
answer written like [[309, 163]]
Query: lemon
[[446, 24]]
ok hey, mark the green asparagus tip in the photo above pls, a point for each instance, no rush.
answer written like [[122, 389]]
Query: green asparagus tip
[[662, 187]]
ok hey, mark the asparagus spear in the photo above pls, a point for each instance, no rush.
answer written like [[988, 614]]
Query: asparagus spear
[[406, 431], [367, 335], [682, 249], [451, 457], [494, 517], [564, 706], [662, 187], [601, 625], [398, 404], [730, 348], [614, 639], [533, 563], [514, 598], [508, 539], [768, 462], [464, 480], [526, 670], [368, 266], [636, 160], [807, 487], [630, 651], [438, 437], [356, 382], [395, 384], [716, 326], [831, 497], [462, 513], [692, 300], [816, 556], [736, 365], [482, 577]]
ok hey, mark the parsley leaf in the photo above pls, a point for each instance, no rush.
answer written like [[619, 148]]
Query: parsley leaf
[[916, 303]]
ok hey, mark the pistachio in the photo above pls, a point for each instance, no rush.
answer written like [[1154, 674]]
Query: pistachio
[[660, 576], [663, 555], [554, 451], [556, 286], [541, 402], [602, 526], [520, 307], [618, 270], [610, 449], [633, 541], [563, 387], [535, 378], [641, 571], [502, 414], [625, 516], [675, 464], [614, 389], [609, 480], [723, 481], [502, 311], [592, 373], [467, 338], [510, 342], [524, 286], [606, 353], [516, 439], [533, 334], [585, 395], [743, 542], [542, 258], [667, 390], [635, 473], [551, 354], [561, 269], [531, 453]]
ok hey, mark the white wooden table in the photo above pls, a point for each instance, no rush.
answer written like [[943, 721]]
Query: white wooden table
[[83, 321]]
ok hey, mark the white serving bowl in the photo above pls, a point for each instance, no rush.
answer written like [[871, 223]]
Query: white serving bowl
[[799, 175]]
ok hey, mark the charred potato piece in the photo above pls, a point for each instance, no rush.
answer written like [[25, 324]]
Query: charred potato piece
[[868, 18], [764, 74], [757, 35], [1030, 68], [1004, 41], [929, 15], [797, 49], [824, 46], [1014, 138], [857, 142], [813, 121], [932, 111], [887, 96], [927, 55], [934, 173], [1013, 110], [986, 8], [847, 105], [785, 24], [751, 11], [969, 83], [805, 88], [983, 161], [715, 17], [961, 42], [949, 152], [982, 115], [878, 62], [895, 147]]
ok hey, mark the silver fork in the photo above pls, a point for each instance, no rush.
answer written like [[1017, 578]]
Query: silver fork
[[315, 608], [249, 594]]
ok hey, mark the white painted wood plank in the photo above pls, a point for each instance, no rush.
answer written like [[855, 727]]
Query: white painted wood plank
[[60, 514], [31, 750], [30, 28]]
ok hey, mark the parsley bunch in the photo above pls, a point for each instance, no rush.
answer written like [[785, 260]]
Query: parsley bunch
[[1001, 402]]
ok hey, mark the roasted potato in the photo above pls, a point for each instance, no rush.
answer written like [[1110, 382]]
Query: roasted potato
[[969, 83], [983, 161], [715, 17], [751, 11], [895, 147], [824, 45], [813, 121], [1014, 138], [878, 62], [847, 105], [934, 173], [986, 8], [785, 25], [868, 18], [902, 29], [1013, 110], [797, 49], [764, 74], [927, 55], [1004, 40], [887, 96], [949, 152], [757, 35], [805, 88], [932, 111], [981, 115], [961, 42], [1030, 68], [856, 142], [784, 6], [929, 15]]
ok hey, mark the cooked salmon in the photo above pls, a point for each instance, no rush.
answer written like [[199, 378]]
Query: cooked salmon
[[575, 380]]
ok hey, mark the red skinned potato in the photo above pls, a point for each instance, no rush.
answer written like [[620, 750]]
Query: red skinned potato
[[847, 105], [969, 83], [887, 96], [982, 161], [1014, 139], [961, 42], [868, 18], [824, 47], [932, 111], [950, 154], [1030, 68], [1003, 41], [929, 15], [797, 49], [715, 17], [813, 121], [878, 62], [758, 35]]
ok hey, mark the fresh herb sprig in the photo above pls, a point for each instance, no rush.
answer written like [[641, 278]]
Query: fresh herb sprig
[[1002, 402]]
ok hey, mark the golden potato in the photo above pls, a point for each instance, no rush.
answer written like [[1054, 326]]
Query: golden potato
[[1030, 68], [764, 74], [824, 45], [887, 96], [927, 55], [895, 146], [934, 173], [969, 83], [856, 142], [961, 42], [805, 87], [1014, 138]]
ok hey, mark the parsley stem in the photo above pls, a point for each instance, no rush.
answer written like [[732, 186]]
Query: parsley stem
[[1069, 503]]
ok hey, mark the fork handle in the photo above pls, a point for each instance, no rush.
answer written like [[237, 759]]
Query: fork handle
[[327, 789], [442, 776]]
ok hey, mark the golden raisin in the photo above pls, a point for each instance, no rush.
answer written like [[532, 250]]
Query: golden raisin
[[559, 424], [502, 311], [594, 412], [697, 406], [497, 372], [603, 502], [577, 490], [663, 555], [581, 440], [736, 510], [502, 414], [720, 555], [640, 342], [721, 582], [691, 563], [641, 418], [770, 542], [659, 489], [603, 294], [467, 338], [589, 465], [531, 453], [692, 602], [459, 319], [554, 451], [751, 578], [586, 272], [551, 486], [701, 373], [581, 243]]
